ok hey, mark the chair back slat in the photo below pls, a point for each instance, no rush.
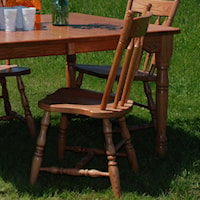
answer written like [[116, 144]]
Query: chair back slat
[[132, 70], [124, 72], [133, 31], [122, 44], [136, 44]]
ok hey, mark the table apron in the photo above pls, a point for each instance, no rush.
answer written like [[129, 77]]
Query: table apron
[[24, 50], [50, 48], [63, 47]]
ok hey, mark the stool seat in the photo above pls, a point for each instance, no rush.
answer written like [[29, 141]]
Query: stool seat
[[13, 70]]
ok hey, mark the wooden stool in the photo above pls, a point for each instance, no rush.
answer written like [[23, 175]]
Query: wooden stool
[[14, 70]]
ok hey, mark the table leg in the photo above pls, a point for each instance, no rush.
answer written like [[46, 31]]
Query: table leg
[[162, 61], [70, 73], [161, 107]]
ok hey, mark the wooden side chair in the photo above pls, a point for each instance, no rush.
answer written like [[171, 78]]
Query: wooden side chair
[[105, 106], [163, 14], [9, 70]]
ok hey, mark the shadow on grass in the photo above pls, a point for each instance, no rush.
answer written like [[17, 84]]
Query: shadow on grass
[[155, 175]]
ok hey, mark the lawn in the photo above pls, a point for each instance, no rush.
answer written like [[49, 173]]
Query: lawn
[[175, 177]]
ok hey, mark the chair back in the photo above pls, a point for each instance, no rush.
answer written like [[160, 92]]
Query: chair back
[[162, 10], [129, 47], [163, 14]]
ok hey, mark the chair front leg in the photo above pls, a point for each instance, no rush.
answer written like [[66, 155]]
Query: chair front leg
[[111, 156], [41, 141], [128, 145]]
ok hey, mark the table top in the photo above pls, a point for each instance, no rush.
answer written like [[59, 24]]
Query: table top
[[81, 26], [82, 29]]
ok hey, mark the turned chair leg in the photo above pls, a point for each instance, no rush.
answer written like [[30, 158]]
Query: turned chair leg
[[128, 145], [28, 116], [111, 157], [41, 141], [79, 80], [62, 136], [150, 102]]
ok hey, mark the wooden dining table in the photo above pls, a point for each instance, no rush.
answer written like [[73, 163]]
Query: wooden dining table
[[89, 33]]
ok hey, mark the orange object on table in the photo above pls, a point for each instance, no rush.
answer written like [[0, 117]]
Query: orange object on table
[[11, 3], [37, 4]]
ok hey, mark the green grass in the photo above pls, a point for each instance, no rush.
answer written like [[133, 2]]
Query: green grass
[[177, 177]]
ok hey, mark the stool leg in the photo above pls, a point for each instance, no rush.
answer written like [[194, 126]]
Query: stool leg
[[111, 156], [5, 96], [28, 116]]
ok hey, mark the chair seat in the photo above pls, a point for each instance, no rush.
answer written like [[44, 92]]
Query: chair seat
[[13, 70], [102, 71], [76, 101]]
